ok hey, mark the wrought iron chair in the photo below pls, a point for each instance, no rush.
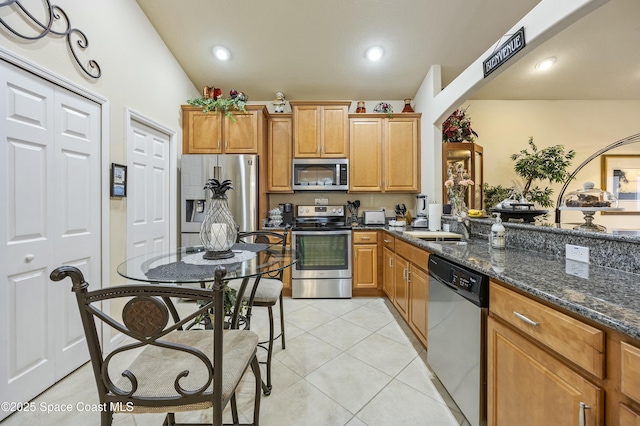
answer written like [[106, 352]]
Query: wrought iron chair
[[176, 369], [266, 293]]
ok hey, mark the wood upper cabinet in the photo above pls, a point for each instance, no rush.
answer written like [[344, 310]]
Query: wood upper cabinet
[[529, 386], [320, 129], [279, 150], [384, 153], [365, 154], [402, 155], [213, 133], [365, 259]]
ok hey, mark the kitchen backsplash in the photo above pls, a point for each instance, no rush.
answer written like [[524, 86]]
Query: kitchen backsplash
[[367, 201]]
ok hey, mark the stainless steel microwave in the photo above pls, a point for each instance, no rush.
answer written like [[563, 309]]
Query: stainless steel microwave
[[321, 174]]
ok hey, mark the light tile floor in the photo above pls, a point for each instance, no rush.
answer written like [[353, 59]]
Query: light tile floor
[[348, 362]]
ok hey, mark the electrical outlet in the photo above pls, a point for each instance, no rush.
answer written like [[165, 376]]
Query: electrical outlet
[[579, 269], [322, 201], [578, 253]]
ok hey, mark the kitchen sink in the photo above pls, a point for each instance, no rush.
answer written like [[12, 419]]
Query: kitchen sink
[[451, 243]]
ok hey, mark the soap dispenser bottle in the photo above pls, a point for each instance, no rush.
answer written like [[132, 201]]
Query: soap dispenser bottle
[[497, 237]]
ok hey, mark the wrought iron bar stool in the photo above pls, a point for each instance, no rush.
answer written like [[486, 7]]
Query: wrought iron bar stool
[[266, 293]]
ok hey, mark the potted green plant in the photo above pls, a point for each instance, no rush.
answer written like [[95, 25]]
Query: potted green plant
[[546, 164]]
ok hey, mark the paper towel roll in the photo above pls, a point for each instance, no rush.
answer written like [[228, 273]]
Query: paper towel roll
[[435, 217]]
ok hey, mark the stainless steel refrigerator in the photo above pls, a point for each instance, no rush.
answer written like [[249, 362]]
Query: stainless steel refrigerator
[[196, 169]]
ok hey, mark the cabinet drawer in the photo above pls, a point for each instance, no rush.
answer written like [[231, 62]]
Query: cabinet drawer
[[571, 338], [413, 254], [630, 385], [388, 241], [365, 237]]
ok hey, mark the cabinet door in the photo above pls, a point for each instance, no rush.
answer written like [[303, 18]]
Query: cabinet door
[[388, 273], [401, 155], [202, 133], [365, 159], [241, 135], [335, 131], [306, 131], [418, 297], [279, 155], [401, 290], [365, 266], [528, 386], [628, 417]]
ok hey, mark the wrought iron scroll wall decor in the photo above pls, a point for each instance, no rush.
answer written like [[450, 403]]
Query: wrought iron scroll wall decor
[[55, 13]]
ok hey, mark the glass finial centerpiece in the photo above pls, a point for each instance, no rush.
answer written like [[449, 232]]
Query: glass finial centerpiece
[[218, 231]]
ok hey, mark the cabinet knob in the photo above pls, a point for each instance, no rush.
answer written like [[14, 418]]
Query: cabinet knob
[[29, 257]]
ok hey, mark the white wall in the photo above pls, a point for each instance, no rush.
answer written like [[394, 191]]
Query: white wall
[[138, 72], [584, 126]]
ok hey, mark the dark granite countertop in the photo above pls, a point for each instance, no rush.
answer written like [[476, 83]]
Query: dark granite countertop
[[607, 296]]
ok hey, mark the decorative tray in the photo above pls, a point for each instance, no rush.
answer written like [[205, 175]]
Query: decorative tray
[[593, 209], [525, 212]]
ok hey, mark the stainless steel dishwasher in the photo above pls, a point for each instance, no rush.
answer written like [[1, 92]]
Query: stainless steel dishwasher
[[457, 317]]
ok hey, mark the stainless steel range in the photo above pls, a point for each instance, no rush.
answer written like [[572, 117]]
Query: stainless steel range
[[322, 238]]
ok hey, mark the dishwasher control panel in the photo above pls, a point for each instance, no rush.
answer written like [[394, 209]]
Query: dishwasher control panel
[[470, 284]]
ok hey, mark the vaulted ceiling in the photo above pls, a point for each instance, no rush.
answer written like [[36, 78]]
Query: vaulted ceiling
[[314, 50]]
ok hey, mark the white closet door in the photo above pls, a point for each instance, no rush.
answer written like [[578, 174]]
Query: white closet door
[[50, 185], [26, 228], [147, 189], [76, 217]]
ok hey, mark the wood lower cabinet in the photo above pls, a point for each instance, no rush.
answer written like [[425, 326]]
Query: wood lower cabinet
[[365, 260], [401, 286], [405, 281], [529, 386], [384, 153], [279, 153], [388, 283], [418, 299], [628, 417], [214, 133]]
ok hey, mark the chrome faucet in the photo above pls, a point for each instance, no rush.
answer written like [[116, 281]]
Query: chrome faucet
[[464, 224]]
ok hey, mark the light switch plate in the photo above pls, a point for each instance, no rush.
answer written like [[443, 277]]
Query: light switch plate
[[577, 253]]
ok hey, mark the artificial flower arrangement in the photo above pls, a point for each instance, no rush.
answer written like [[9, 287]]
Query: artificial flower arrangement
[[212, 100], [457, 185], [457, 128]]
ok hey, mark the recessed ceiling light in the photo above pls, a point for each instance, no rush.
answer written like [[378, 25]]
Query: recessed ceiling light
[[374, 53], [221, 53], [545, 64]]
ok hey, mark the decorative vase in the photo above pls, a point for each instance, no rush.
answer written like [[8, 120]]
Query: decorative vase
[[361, 108], [458, 206], [407, 106], [218, 231]]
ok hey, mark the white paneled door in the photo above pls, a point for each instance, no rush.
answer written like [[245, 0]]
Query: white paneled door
[[147, 188], [49, 216]]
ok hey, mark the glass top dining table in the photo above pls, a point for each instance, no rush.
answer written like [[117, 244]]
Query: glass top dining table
[[186, 265]]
